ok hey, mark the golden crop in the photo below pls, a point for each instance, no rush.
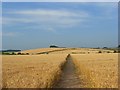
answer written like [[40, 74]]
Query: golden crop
[[41, 50], [95, 70], [31, 71], [81, 51], [98, 70]]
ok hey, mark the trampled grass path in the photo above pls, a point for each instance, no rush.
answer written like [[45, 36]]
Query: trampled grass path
[[69, 78]]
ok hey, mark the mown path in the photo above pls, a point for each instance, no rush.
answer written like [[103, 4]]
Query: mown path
[[69, 78]]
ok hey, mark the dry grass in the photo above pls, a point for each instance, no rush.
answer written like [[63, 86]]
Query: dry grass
[[82, 51], [32, 71], [41, 50], [98, 70]]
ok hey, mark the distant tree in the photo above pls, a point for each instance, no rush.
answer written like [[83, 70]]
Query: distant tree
[[27, 53], [53, 46], [118, 46], [105, 47], [115, 51], [19, 53], [100, 52], [118, 51], [13, 53]]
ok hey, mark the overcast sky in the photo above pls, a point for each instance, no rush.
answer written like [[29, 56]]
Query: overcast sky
[[36, 25]]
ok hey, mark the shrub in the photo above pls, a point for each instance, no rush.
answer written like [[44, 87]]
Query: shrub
[[118, 51], [13, 53], [5, 53], [53, 46], [27, 53], [100, 52], [115, 51], [19, 53]]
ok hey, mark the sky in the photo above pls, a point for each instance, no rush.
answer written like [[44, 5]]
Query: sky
[[29, 25]]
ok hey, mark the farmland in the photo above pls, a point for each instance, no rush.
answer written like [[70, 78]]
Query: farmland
[[82, 51], [31, 71], [99, 71], [43, 50], [61, 68]]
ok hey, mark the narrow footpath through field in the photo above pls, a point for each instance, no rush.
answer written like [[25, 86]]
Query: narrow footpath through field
[[69, 78]]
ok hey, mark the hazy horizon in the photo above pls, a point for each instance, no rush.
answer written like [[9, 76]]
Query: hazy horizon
[[49, 47], [36, 25]]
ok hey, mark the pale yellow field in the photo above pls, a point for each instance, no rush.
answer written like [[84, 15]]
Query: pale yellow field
[[95, 70], [81, 51], [31, 71], [35, 51], [98, 70]]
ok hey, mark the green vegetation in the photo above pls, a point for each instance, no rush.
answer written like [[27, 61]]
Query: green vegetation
[[8, 53], [13, 53], [19, 53]]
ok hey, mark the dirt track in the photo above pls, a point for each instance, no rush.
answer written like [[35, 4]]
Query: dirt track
[[69, 78]]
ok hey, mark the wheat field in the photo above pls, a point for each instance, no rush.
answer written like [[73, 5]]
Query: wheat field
[[41, 50], [98, 70], [32, 71], [94, 70], [81, 51]]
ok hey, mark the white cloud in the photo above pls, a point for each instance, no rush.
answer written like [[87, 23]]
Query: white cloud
[[39, 19], [47, 17], [47, 12]]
